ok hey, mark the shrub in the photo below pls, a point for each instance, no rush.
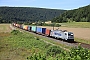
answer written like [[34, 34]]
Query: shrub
[[80, 53], [53, 50], [15, 32], [37, 57]]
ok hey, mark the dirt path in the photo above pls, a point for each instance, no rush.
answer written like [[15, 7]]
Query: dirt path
[[83, 33]]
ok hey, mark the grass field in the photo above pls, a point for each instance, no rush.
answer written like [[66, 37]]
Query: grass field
[[76, 24]]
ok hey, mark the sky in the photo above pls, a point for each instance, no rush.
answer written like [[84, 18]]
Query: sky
[[51, 4]]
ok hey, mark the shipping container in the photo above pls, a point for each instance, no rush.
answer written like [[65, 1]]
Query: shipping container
[[21, 26], [39, 30], [29, 28], [25, 27], [33, 28], [18, 25], [43, 30], [47, 33]]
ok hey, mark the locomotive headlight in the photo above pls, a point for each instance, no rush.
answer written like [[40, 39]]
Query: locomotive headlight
[[71, 34]]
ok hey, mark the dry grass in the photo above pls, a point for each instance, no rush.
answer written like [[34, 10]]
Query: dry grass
[[5, 28]]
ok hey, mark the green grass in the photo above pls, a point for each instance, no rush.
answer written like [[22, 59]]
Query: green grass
[[76, 24], [63, 46], [26, 40]]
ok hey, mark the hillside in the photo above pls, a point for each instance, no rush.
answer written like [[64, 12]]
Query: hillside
[[27, 14], [81, 14]]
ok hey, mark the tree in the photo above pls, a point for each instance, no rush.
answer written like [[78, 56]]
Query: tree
[[88, 18]]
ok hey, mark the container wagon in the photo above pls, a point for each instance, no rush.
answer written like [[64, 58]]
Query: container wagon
[[21, 26], [26, 28], [33, 29], [43, 31], [29, 28], [47, 33], [18, 25], [39, 30], [62, 35]]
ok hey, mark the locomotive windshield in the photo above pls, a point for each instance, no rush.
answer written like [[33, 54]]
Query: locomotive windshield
[[70, 34]]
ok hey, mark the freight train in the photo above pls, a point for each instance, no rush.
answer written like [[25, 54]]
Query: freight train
[[58, 34]]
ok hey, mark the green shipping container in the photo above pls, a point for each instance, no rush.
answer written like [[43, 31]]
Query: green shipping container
[[33, 28]]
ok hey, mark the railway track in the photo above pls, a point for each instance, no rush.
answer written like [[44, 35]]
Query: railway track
[[71, 44], [84, 45]]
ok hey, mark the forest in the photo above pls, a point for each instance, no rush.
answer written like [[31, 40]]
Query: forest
[[81, 14], [33, 14], [27, 14]]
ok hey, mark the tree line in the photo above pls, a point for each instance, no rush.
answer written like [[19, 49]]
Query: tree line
[[27, 14]]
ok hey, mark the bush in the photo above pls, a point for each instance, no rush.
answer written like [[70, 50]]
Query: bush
[[53, 50], [37, 57], [57, 25], [15, 32], [80, 53]]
